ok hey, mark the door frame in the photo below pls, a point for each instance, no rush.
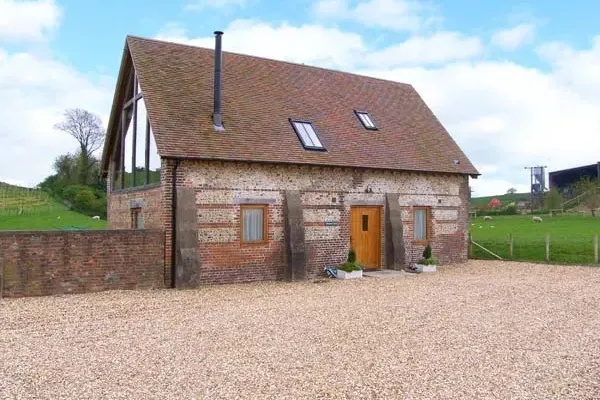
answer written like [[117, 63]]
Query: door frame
[[381, 232]]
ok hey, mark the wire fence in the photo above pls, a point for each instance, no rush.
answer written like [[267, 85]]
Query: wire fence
[[550, 248]]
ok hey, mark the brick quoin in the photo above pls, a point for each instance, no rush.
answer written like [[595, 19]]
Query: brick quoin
[[328, 193]]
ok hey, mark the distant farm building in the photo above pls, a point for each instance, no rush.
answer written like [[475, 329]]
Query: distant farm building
[[563, 179]]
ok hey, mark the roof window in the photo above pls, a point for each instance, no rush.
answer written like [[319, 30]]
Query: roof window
[[366, 120], [308, 136]]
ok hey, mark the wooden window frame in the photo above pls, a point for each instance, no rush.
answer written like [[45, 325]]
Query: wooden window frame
[[135, 212], [428, 225], [265, 209]]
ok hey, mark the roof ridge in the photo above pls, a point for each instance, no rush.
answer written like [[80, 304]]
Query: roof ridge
[[309, 66]]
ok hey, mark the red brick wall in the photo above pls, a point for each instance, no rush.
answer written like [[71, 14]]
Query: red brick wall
[[156, 209], [119, 207], [50, 262]]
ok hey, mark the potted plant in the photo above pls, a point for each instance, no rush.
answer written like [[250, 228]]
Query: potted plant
[[428, 263], [351, 269]]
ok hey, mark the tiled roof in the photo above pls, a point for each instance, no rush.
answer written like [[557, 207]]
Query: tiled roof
[[261, 95]]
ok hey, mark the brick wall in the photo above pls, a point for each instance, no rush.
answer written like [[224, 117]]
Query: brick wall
[[149, 200], [327, 196], [50, 262], [155, 202]]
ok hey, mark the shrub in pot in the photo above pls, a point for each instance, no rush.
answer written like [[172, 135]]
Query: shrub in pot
[[351, 269], [428, 263]]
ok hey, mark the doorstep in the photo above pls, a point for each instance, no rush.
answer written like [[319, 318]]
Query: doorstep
[[386, 273]]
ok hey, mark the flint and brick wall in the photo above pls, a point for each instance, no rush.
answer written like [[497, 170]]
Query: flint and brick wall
[[327, 194], [52, 262]]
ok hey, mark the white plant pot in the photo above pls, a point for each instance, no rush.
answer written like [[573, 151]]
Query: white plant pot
[[349, 275], [427, 268]]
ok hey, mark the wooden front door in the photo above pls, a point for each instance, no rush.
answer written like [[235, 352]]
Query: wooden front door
[[365, 235]]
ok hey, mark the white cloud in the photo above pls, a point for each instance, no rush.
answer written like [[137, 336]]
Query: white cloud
[[504, 115], [397, 15], [28, 20], [35, 92], [303, 44], [509, 116], [438, 48], [198, 5], [577, 70], [515, 37]]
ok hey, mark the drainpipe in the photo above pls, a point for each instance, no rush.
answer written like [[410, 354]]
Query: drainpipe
[[174, 222]]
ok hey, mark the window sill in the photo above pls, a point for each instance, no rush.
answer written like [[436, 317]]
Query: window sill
[[257, 243]]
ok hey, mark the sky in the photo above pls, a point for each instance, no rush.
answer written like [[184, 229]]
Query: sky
[[515, 83]]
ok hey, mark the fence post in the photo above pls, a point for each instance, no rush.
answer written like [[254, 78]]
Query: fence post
[[470, 248], [510, 245], [596, 249], [548, 248]]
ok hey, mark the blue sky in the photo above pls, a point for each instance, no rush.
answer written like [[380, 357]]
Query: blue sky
[[515, 83]]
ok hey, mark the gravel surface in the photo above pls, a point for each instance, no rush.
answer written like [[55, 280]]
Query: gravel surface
[[487, 330]]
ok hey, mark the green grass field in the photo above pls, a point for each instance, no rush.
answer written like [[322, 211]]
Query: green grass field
[[571, 238], [33, 209], [56, 218]]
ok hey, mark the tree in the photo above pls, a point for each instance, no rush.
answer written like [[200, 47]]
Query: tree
[[65, 167], [590, 194], [511, 191], [87, 129], [553, 199], [494, 203]]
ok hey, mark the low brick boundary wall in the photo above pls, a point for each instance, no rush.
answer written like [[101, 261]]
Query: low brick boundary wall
[[40, 263]]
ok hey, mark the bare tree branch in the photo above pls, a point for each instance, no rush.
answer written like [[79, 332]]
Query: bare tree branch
[[87, 129], [84, 127]]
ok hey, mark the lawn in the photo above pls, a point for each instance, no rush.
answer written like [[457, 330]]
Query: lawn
[[571, 237], [55, 217]]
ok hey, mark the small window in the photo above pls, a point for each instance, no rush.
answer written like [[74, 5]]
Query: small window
[[365, 223], [421, 224], [307, 135], [137, 219], [366, 120], [254, 223]]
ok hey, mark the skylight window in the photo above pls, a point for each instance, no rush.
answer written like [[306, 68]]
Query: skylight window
[[366, 120], [307, 135]]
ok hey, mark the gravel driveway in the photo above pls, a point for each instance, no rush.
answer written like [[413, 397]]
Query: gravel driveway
[[487, 330]]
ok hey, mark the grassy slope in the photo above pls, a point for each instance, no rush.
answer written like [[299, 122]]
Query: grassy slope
[[504, 198], [571, 237], [38, 211], [55, 218]]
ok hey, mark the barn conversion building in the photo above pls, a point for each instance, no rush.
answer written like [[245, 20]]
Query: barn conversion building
[[261, 169]]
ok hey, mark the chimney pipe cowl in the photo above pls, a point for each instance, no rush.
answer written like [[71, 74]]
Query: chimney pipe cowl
[[217, 112]]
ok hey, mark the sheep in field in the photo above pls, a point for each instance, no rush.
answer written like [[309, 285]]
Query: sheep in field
[[96, 217], [487, 218], [537, 219]]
